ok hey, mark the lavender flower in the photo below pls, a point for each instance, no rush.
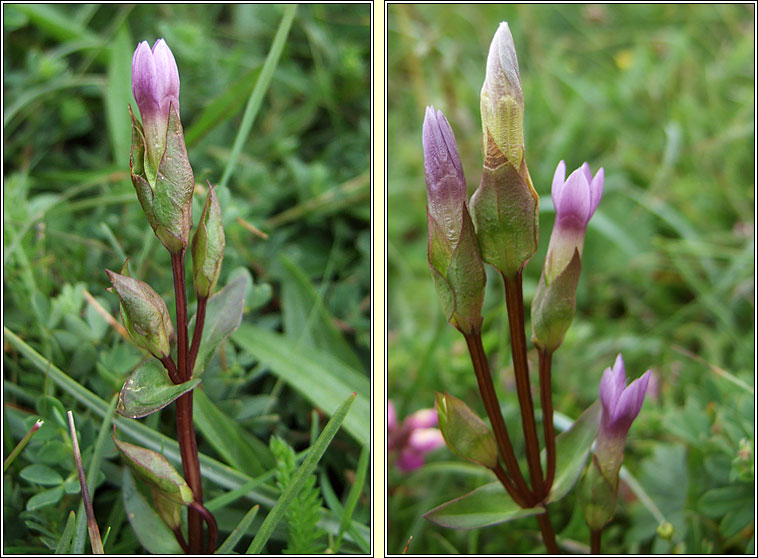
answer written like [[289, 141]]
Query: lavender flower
[[575, 201], [412, 439], [621, 405], [453, 253], [160, 170], [554, 304], [155, 84]]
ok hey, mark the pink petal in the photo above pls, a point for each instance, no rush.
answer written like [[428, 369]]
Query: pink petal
[[559, 179]]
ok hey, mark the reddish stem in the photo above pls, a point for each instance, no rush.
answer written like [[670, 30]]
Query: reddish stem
[[548, 428], [197, 334]]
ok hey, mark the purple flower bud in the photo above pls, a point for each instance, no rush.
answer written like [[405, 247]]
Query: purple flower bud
[[155, 84], [391, 417], [453, 251], [413, 438], [426, 439], [575, 201], [621, 405], [445, 183]]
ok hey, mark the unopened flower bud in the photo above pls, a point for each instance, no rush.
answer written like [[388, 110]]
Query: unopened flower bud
[[554, 304], [160, 169], [621, 405], [465, 433], [502, 103], [155, 84], [144, 313], [575, 201], [452, 250], [505, 206], [208, 247]]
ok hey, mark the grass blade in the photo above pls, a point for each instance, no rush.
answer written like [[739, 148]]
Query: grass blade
[[256, 97], [94, 531], [64, 544], [238, 531], [303, 472], [22, 444]]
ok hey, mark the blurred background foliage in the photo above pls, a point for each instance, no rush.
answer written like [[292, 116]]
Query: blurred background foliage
[[296, 213], [662, 97]]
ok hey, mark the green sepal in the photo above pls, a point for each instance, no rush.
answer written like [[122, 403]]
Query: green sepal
[[439, 250], [149, 389], [487, 505], [144, 313], [169, 510], [598, 496], [505, 210], [554, 306], [155, 470], [464, 432], [208, 247], [467, 278], [165, 193], [571, 450]]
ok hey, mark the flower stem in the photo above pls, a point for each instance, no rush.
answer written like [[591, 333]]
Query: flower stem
[[185, 428], [514, 298], [197, 334], [548, 428], [491, 404], [548, 535], [595, 536]]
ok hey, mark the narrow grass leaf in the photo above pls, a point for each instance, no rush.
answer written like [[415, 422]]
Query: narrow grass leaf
[[261, 86], [239, 531], [118, 95], [318, 376], [94, 531], [94, 468], [214, 471], [21, 445], [307, 319], [64, 543], [303, 472], [353, 495], [238, 448]]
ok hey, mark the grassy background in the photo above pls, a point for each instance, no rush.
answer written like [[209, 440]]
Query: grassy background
[[70, 211], [662, 97]]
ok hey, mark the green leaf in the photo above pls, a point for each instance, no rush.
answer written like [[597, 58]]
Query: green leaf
[[571, 450], [223, 315], [214, 471], [307, 319], [64, 543], [241, 450], [44, 498], [719, 501], [151, 532], [117, 94], [239, 531], [155, 469], [487, 505], [41, 474], [303, 472], [149, 389], [319, 377]]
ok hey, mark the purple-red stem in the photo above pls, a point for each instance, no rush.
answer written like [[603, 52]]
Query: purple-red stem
[[595, 538], [197, 334], [185, 428], [548, 428], [514, 298], [492, 405]]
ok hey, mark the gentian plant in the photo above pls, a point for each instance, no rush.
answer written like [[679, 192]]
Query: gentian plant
[[499, 226], [163, 178]]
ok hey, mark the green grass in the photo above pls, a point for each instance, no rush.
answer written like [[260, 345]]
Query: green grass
[[288, 141], [662, 97]]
